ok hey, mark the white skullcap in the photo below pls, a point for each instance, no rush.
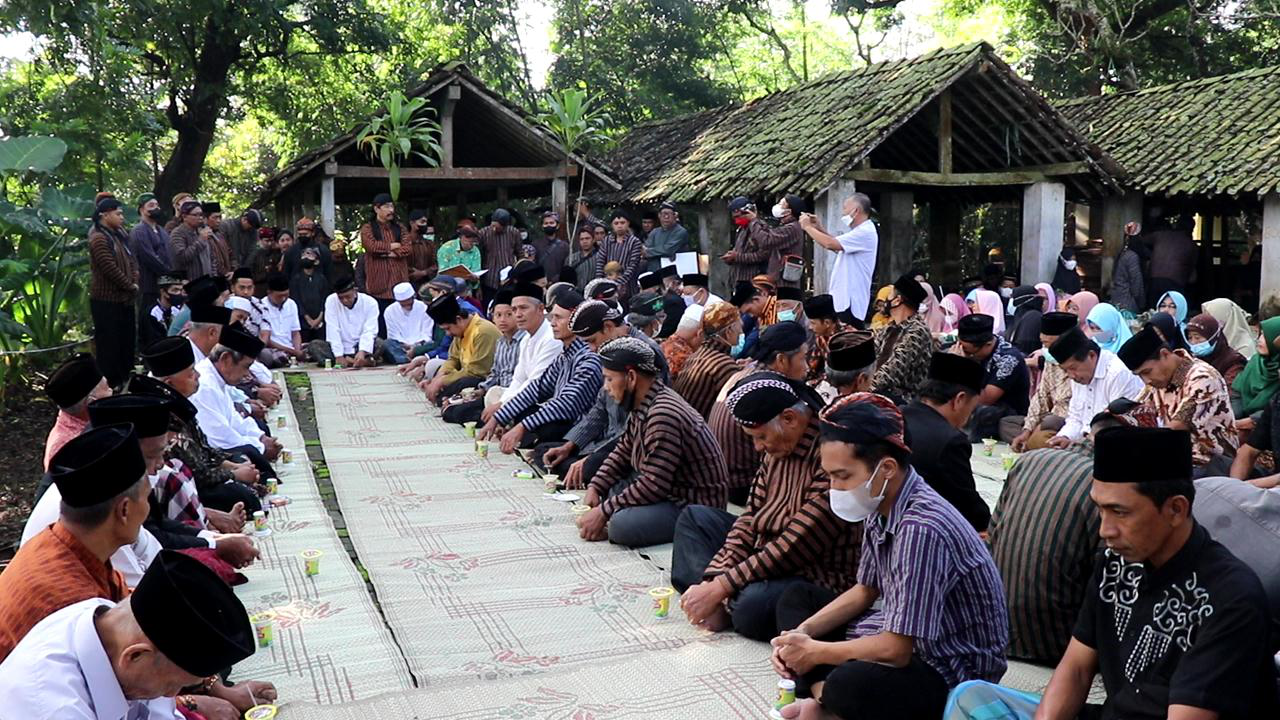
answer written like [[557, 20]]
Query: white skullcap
[[235, 302], [402, 291], [691, 319]]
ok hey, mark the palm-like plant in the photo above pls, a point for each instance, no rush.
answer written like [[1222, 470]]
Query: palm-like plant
[[570, 117], [404, 131]]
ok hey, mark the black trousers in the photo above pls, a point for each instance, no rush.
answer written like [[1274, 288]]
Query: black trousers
[[589, 469], [458, 386], [552, 432], [225, 496], [114, 338], [464, 412], [857, 689], [383, 304], [250, 453]]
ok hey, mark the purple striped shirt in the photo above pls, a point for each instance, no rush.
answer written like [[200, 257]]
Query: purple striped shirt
[[938, 585]]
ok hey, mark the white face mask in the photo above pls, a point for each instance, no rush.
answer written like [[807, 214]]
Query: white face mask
[[688, 300], [1006, 293], [779, 211], [1069, 264], [847, 220], [858, 504]]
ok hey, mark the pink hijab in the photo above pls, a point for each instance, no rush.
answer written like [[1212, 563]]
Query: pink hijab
[[1084, 302], [933, 316], [1051, 298], [989, 303], [953, 308]]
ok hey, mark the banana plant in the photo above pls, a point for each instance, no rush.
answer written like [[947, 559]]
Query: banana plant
[[406, 130], [570, 117]]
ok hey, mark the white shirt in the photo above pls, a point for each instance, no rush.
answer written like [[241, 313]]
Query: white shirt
[[1111, 381], [409, 328], [216, 414], [284, 321], [850, 282], [350, 329], [195, 350], [537, 352], [60, 671], [130, 560]]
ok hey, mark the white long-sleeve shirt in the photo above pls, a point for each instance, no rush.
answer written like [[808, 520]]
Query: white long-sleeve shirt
[[537, 352], [216, 414], [1111, 381], [131, 560], [409, 328], [284, 321], [350, 329]]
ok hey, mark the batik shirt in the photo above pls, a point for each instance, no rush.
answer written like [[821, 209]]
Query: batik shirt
[[1052, 396], [1197, 396], [902, 359], [1190, 632], [197, 455]]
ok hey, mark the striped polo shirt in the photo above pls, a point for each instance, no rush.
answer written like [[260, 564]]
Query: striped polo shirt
[[563, 393]]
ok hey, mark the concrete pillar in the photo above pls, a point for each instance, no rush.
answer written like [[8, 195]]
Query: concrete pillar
[[897, 236], [1117, 210], [328, 209], [559, 196], [944, 244], [1043, 214], [828, 206], [1270, 245], [715, 238]]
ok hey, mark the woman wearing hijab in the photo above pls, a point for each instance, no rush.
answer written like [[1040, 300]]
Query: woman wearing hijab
[[1169, 330], [932, 313], [1028, 308], [1082, 303], [880, 316], [1261, 375], [1175, 304], [1107, 328], [1128, 281], [1050, 297], [1065, 277], [989, 303], [1234, 322], [953, 308], [1207, 342]]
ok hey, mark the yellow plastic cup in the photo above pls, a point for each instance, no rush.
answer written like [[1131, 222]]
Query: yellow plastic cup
[[281, 422], [580, 509], [988, 446], [550, 483], [311, 562], [264, 628], [286, 456], [470, 427], [273, 485], [1007, 460], [261, 712], [661, 600], [259, 521], [482, 448]]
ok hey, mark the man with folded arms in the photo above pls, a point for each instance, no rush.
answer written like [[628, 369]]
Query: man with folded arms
[[1098, 378], [732, 570], [666, 458], [1008, 382]]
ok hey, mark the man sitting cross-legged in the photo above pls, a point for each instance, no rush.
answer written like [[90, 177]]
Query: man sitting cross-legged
[[475, 342], [941, 618], [1176, 625], [665, 459], [732, 570], [458, 409]]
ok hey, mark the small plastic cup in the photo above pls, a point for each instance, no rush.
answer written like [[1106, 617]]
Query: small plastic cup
[[988, 446], [311, 562], [550, 483], [272, 485], [264, 628], [1007, 460], [470, 428], [328, 363], [482, 449], [281, 422], [786, 693], [661, 600], [259, 521], [286, 456], [261, 712], [522, 474], [580, 509]]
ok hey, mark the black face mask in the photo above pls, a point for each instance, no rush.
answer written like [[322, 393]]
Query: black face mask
[[309, 263], [177, 299], [156, 214], [549, 230], [303, 237]]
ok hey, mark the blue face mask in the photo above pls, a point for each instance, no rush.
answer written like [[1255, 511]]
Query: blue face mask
[[1049, 359], [737, 348], [1202, 349], [786, 315]]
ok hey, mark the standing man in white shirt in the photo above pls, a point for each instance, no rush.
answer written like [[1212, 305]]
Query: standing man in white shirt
[[351, 325], [100, 660], [1098, 377], [850, 283], [409, 327], [537, 352], [281, 313], [225, 428]]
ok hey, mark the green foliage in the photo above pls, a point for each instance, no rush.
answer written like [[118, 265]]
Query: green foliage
[[405, 131], [572, 119], [35, 154]]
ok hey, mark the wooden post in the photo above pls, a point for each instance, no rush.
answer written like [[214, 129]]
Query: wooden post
[[559, 196], [944, 243], [502, 197], [1117, 210], [944, 132], [715, 238], [897, 236], [1043, 213], [452, 95], [1270, 246], [328, 209]]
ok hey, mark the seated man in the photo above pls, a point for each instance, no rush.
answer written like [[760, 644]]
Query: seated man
[[686, 338], [1187, 394], [75, 384], [226, 428], [1048, 409], [154, 325], [904, 347], [547, 407], [1098, 378], [711, 365], [1008, 381], [733, 569], [824, 323], [942, 617], [1177, 626], [282, 314], [116, 658], [350, 327], [851, 363], [694, 287], [475, 340], [940, 451], [536, 353], [456, 408], [410, 331], [665, 459]]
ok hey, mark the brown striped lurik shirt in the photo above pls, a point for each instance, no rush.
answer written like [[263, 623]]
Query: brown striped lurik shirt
[[384, 268], [788, 528], [739, 454], [672, 452], [703, 374], [499, 248]]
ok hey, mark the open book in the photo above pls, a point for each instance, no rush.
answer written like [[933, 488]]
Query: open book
[[461, 271]]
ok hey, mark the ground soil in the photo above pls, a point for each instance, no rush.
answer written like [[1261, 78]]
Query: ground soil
[[24, 422]]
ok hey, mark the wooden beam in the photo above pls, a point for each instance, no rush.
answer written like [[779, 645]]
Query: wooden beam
[[944, 132], [1011, 176], [545, 172]]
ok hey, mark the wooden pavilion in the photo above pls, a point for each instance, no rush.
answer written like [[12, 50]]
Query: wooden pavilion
[[493, 151]]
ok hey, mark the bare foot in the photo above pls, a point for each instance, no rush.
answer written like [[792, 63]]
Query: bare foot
[[806, 709]]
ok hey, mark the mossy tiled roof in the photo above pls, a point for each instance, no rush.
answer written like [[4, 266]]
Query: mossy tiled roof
[[805, 137], [1216, 136]]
